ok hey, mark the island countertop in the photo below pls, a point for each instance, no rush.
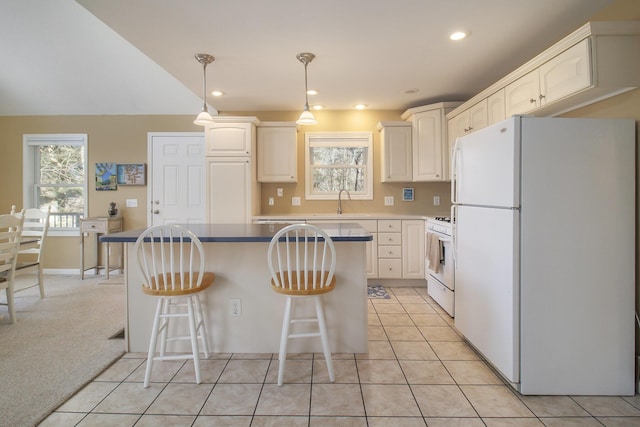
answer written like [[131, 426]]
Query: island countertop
[[339, 232]]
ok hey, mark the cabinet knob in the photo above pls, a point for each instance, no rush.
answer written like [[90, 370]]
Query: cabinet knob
[[533, 101], [542, 97]]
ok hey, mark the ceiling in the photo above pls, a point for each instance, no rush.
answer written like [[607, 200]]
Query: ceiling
[[97, 57]]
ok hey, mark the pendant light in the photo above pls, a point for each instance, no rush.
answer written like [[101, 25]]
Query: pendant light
[[204, 118], [306, 118]]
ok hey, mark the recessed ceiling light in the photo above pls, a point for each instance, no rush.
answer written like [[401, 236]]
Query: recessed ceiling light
[[317, 107], [360, 106], [312, 92], [458, 35], [217, 93], [412, 90]]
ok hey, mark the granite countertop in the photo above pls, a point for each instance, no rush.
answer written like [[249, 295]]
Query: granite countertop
[[339, 232]]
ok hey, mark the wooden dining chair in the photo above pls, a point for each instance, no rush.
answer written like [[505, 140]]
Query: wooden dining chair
[[171, 260], [302, 261], [34, 231], [10, 230]]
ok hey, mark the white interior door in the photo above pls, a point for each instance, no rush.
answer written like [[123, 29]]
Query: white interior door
[[176, 181]]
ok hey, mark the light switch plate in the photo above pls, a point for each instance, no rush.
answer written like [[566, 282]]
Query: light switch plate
[[388, 200], [280, 192], [132, 203], [436, 200]]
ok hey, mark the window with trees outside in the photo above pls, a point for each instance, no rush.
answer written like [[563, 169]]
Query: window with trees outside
[[337, 161], [55, 174]]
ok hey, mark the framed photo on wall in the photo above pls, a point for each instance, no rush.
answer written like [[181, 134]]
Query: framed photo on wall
[[106, 177], [132, 174]]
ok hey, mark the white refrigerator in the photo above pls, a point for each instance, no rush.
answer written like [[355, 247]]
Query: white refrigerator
[[543, 213]]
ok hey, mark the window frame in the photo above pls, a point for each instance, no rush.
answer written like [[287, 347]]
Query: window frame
[[338, 139], [31, 142]]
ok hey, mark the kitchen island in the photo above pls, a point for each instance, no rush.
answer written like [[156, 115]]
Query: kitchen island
[[237, 254]]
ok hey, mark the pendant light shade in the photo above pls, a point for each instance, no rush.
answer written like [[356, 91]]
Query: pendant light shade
[[306, 118], [204, 118]]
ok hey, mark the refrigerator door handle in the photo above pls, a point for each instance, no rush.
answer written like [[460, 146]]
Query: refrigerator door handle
[[454, 209], [454, 172]]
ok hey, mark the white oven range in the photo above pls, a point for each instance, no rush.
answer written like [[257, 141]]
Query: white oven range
[[440, 273]]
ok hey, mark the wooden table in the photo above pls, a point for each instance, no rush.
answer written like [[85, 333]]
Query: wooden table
[[98, 226]]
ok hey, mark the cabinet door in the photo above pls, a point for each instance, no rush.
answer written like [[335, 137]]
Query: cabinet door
[[413, 249], [277, 154], [495, 107], [427, 146], [565, 74], [396, 165], [478, 116], [229, 190], [523, 95], [229, 139]]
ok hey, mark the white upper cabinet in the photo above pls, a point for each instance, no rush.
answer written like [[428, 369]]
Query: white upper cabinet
[[396, 164], [231, 136], [521, 96], [495, 108], [468, 121], [429, 141], [567, 73], [597, 61], [277, 152]]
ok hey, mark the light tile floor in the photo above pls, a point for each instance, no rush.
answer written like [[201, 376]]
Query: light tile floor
[[418, 372]]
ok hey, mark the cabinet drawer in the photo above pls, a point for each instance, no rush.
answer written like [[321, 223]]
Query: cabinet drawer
[[390, 268], [389, 252], [389, 239], [93, 226], [441, 294], [389, 225]]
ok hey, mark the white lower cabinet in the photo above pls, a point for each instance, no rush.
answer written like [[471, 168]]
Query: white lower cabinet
[[413, 249], [397, 250]]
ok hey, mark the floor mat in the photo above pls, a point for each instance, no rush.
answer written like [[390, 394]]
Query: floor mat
[[377, 291]]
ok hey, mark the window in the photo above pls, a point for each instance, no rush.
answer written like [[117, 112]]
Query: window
[[55, 174], [336, 161]]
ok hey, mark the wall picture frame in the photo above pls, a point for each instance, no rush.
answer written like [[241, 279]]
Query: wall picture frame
[[407, 194], [106, 177], [132, 174]]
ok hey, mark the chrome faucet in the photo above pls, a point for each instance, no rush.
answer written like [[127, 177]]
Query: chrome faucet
[[340, 200]]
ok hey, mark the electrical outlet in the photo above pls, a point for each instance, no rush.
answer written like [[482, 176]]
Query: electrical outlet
[[436, 200], [236, 307], [295, 201], [388, 200]]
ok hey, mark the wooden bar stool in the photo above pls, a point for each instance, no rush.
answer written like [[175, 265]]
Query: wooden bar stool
[[302, 260], [171, 259]]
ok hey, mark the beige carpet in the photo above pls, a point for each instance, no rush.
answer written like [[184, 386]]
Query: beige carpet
[[58, 345]]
